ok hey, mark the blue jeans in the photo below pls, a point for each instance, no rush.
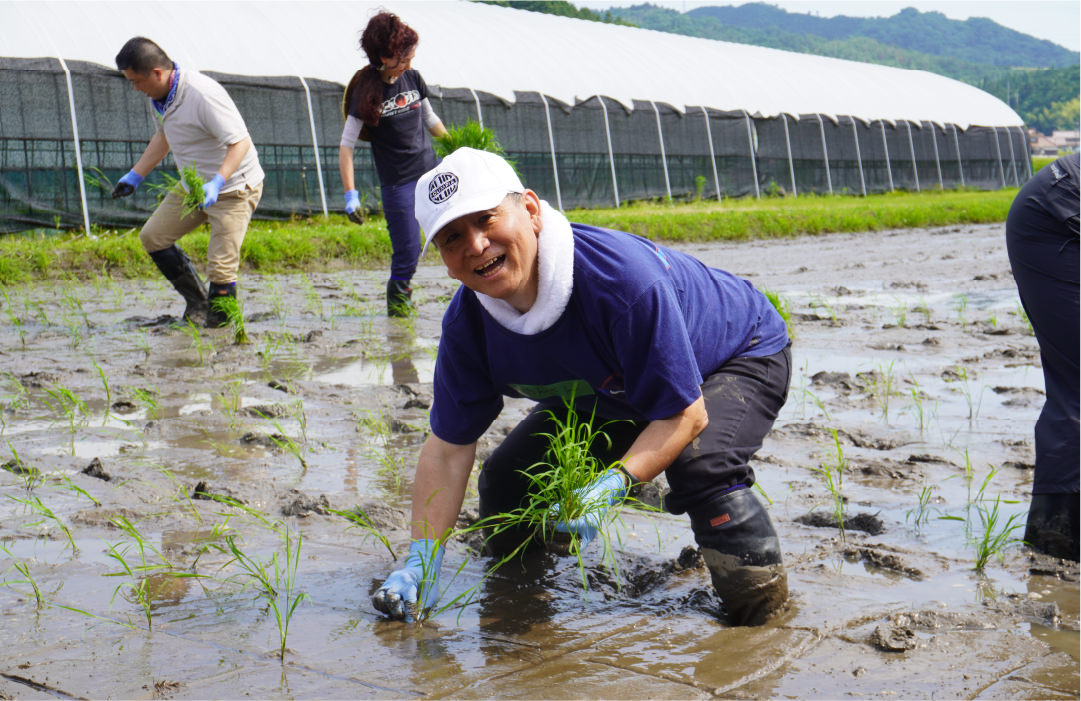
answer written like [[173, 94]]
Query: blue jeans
[[403, 229]]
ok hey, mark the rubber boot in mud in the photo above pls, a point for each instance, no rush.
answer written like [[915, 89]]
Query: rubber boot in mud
[[175, 265], [741, 550], [399, 298], [220, 297], [1052, 525]]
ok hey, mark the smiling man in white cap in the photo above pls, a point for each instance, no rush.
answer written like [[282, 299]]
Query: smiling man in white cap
[[693, 361]]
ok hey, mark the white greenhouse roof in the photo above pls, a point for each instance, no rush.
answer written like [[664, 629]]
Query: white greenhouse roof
[[497, 50]]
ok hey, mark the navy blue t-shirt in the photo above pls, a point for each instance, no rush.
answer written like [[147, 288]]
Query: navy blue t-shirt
[[642, 327], [400, 146]]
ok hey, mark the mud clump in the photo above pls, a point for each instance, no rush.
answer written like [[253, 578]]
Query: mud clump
[[95, 470], [272, 441], [879, 558], [265, 411], [867, 523], [18, 467], [893, 637], [297, 503]]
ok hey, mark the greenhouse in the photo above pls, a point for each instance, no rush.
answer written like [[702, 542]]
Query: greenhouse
[[594, 115]]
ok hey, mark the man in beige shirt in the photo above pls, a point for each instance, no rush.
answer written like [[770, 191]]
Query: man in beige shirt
[[200, 124]]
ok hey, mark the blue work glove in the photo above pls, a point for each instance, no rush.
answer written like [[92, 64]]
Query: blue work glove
[[397, 597], [127, 184], [599, 494], [212, 189], [352, 207]]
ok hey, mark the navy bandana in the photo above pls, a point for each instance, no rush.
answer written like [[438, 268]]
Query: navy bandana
[[162, 105]]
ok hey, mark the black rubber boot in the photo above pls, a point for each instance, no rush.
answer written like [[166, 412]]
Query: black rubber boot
[[1052, 525], [216, 315], [177, 269], [741, 550], [399, 298]]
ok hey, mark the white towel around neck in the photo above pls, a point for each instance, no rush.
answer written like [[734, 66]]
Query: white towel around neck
[[555, 263]]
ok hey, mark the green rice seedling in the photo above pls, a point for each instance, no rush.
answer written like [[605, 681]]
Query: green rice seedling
[[275, 579], [960, 378], [34, 504], [1023, 316], [202, 345], [14, 319], [180, 491], [883, 388], [921, 513], [819, 403], [64, 402], [832, 471], [191, 184], [994, 537], [108, 390], [817, 302], [234, 313], [783, 307], [992, 319], [922, 308], [31, 476], [150, 562], [142, 341], [296, 410], [357, 518], [69, 484], [96, 178], [960, 304], [900, 313], [555, 487], [918, 402], [284, 442], [148, 398], [315, 302], [23, 568], [470, 134], [17, 397], [75, 305]]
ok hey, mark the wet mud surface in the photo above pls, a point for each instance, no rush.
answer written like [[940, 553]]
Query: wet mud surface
[[130, 443]]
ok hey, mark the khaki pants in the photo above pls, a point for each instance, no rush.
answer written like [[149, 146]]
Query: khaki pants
[[229, 218]]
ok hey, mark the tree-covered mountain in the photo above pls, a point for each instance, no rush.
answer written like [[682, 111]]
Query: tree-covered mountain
[[976, 40], [1036, 77]]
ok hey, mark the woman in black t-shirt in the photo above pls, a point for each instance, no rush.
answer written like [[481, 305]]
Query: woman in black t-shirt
[[386, 104]]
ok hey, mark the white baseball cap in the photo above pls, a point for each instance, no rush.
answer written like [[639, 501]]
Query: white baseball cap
[[466, 181]]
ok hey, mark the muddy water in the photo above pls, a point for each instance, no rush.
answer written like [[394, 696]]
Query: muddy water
[[908, 345]]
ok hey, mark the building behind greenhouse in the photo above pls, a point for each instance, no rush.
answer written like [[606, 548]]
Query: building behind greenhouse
[[593, 114]]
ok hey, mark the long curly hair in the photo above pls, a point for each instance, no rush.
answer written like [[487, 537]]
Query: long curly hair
[[385, 35]]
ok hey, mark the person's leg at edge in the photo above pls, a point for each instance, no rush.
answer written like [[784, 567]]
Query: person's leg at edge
[[1044, 262], [159, 236], [711, 481], [229, 220], [405, 243]]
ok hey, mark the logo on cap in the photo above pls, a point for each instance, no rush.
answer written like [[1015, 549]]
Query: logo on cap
[[442, 187]]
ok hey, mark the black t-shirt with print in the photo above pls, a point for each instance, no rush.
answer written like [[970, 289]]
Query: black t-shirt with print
[[400, 144]]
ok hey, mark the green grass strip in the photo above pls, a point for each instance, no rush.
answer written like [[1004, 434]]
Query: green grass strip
[[334, 243]]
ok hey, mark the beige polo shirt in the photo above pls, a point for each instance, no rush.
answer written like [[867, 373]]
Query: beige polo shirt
[[200, 124]]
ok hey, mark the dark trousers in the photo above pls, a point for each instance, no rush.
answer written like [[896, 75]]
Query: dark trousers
[[403, 229], [742, 400], [1044, 259]]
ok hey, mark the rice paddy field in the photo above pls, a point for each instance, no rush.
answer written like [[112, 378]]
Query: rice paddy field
[[180, 512]]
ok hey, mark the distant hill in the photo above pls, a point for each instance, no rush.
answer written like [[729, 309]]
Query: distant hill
[[976, 40], [1038, 78]]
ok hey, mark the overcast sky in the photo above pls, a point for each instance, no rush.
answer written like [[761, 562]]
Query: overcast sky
[[1056, 20]]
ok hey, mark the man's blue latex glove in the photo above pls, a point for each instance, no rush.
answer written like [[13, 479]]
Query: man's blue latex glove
[[397, 597], [352, 207], [127, 184], [212, 189], [598, 495]]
